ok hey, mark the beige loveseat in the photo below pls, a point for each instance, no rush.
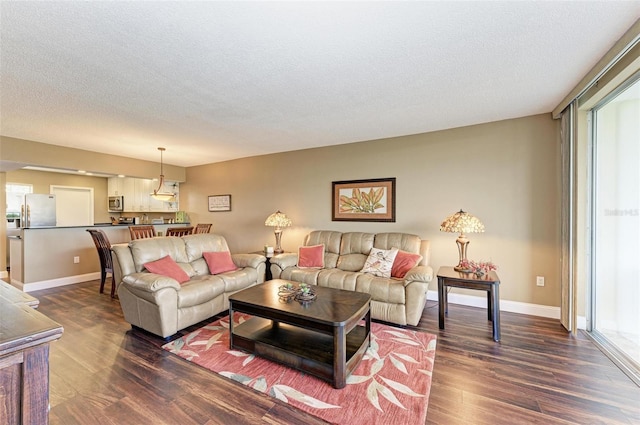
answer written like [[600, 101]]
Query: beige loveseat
[[159, 304], [399, 301]]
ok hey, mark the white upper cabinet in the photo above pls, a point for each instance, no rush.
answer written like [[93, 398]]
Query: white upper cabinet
[[137, 194]]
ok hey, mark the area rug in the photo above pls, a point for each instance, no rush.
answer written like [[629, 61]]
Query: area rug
[[391, 385]]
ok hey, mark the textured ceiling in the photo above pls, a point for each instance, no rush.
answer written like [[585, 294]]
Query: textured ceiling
[[213, 81]]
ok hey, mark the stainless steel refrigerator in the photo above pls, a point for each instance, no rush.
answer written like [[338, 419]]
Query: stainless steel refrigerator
[[38, 210]]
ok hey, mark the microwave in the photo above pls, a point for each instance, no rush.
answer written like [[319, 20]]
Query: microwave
[[116, 203]]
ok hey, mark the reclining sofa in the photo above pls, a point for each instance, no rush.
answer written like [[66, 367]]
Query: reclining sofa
[[160, 304], [395, 300]]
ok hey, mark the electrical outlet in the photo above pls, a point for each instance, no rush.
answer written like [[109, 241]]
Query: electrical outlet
[[76, 260], [540, 280]]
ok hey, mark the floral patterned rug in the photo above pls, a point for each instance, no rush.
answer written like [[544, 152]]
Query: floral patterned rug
[[391, 384]]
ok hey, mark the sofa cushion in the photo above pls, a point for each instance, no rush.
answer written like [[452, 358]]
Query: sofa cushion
[[380, 262], [403, 241], [308, 276], [354, 249], [381, 289], [167, 267], [331, 241], [200, 290], [195, 245], [337, 279], [151, 249], [404, 262], [239, 279], [219, 262], [311, 256]]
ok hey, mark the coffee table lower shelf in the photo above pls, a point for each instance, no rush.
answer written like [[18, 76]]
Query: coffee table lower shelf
[[303, 349]]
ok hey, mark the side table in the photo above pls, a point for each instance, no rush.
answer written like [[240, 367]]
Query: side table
[[490, 282], [267, 273]]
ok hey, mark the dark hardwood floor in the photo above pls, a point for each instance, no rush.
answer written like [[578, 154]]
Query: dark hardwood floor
[[102, 372]]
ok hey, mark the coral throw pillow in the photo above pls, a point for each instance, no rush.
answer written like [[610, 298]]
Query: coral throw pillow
[[380, 261], [311, 256], [167, 267], [404, 262], [219, 262]]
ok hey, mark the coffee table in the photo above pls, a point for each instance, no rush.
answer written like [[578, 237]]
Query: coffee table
[[323, 337]]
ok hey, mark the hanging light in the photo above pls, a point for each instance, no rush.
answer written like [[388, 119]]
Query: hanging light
[[157, 194]]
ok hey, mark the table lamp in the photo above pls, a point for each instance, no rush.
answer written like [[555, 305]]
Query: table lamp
[[278, 220], [462, 222]]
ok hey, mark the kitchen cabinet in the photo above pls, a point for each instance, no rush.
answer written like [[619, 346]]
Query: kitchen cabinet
[[128, 192], [115, 186], [137, 194], [142, 194]]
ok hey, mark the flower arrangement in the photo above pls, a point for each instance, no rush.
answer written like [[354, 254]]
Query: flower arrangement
[[480, 268], [302, 293]]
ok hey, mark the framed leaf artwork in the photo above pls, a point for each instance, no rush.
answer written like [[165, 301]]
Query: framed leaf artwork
[[364, 200]]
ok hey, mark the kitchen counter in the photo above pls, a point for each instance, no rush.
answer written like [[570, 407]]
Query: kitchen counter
[[47, 257]]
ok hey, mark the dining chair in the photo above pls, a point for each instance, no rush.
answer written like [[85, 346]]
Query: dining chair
[[179, 231], [142, 232], [202, 228], [106, 263]]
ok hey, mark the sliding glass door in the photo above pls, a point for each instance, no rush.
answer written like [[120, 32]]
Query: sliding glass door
[[615, 260]]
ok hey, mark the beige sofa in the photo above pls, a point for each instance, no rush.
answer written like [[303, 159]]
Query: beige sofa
[[399, 301], [161, 305]]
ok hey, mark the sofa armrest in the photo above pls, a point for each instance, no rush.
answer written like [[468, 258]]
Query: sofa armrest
[[285, 260], [150, 282], [419, 274], [248, 260]]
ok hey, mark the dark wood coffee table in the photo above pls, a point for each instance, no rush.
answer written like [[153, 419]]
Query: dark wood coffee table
[[322, 337]]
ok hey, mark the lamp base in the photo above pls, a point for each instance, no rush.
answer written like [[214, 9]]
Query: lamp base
[[278, 233], [462, 243], [461, 269]]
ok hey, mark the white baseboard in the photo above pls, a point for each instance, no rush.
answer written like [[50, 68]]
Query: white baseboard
[[54, 283], [505, 305], [4, 274], [582, 323]]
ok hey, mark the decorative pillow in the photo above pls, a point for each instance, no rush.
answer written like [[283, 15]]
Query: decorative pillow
[[311, 256], [380, 261], [167, 267], [219, 262], [404, 262]]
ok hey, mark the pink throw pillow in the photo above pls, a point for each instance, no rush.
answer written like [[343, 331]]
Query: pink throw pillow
[[404, 262], [311, 256], [167, 267], [219, 262]]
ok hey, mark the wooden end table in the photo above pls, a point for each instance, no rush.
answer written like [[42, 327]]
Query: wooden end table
[[490, 282], [323, 337]]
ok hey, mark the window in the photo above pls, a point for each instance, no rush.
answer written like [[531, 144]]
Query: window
[[615, 274]]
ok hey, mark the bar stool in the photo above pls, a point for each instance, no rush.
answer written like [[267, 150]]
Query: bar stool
[[142, 232], [106, 263]]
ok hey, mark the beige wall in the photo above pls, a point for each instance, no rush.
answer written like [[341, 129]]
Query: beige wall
[[506, 173], [27, 152]]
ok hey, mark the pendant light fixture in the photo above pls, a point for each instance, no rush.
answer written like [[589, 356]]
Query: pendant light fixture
[[158, 194]]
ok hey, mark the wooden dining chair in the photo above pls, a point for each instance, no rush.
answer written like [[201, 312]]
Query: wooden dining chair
[[142, 232], [179, 231], [106, 262], [202, 228]]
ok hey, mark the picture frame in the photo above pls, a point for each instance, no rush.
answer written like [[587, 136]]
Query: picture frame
[[219, 203], [364, 200]]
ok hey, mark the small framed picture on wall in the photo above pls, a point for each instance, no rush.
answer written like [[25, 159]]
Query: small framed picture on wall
[[219, 203]]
